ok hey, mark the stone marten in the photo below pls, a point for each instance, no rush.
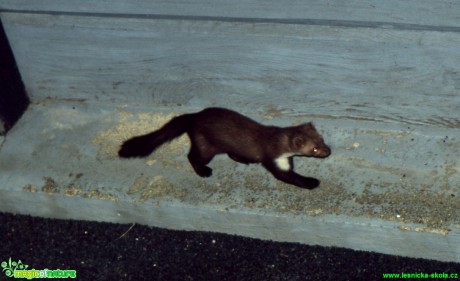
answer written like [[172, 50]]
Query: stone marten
[[217, 130]]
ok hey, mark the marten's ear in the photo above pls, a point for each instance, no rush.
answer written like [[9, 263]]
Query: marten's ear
[[307, 127], [298, 143], [310, 125]]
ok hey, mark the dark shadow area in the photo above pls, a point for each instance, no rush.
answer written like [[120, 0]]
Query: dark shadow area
[[106, 251], [13, 97]]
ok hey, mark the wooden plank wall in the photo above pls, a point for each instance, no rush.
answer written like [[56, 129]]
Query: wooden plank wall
[[416, 12], [385, 61]]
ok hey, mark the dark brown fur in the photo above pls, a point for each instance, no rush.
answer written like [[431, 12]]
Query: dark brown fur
[[217, 130]]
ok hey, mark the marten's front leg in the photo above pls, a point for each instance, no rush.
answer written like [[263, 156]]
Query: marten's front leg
[[282, 170]]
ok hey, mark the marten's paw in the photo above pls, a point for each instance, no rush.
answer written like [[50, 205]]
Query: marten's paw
[[204, 172], [309, 183]]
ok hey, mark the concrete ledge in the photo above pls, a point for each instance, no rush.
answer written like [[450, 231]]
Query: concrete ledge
[[388, 190], [327, 230]]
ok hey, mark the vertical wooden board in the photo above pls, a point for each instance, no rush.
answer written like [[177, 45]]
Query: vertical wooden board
[[359, 73], [425, 14]]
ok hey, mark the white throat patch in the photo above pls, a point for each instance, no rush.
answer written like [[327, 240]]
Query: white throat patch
[[283, 161]]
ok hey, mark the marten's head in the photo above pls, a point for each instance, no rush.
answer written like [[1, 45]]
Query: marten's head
[[306, 141]]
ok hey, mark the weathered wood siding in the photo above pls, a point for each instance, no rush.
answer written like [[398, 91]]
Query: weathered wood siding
[[443, 13], [390, 61]]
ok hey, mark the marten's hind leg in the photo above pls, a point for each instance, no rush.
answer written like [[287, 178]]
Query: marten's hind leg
[[199, 158]]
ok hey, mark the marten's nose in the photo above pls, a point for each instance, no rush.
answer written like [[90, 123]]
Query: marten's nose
[[325, 151]]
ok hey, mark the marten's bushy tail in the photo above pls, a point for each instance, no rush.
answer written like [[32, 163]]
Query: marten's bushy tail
[[144, 145]]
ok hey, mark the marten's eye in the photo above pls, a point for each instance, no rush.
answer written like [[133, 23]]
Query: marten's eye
[[315, 150]]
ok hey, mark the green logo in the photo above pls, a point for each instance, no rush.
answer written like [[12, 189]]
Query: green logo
[[10, 266], [19, 270]]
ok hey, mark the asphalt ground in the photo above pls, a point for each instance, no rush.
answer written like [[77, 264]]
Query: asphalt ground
[[107, 251]]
